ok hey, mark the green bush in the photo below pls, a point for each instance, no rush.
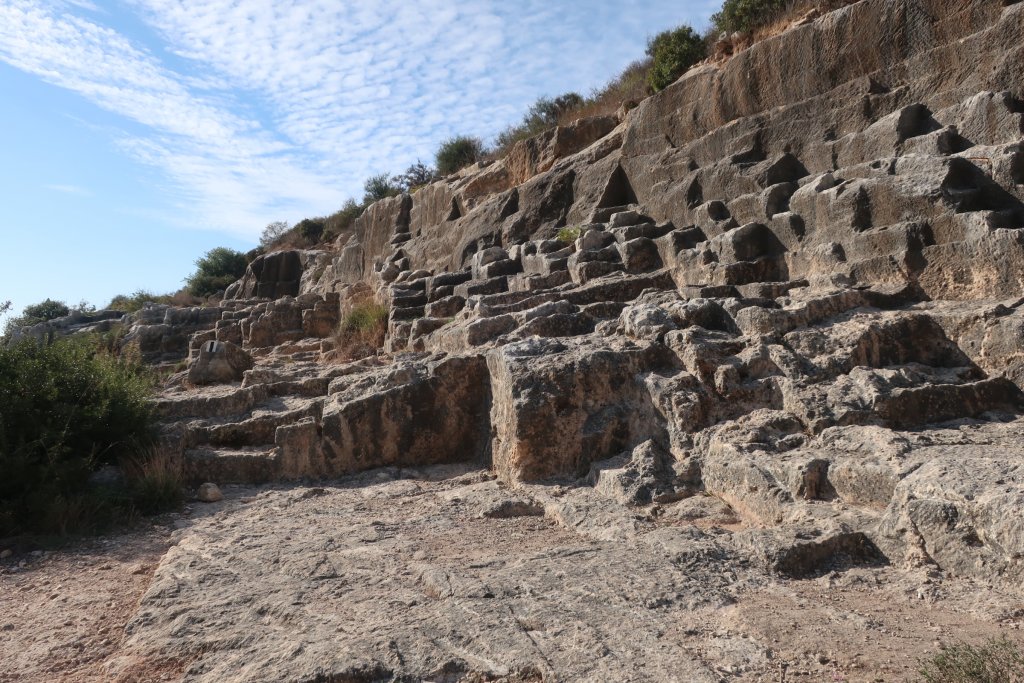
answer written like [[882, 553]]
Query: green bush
[[380, 186], [672, 53], [569, 235], [543, 114], [47, 310], [65, 410], [458, 152], [997, 661], [217, 269], [311, 229], [746, 15]]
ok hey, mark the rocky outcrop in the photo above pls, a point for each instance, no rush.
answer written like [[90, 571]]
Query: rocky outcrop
[[164, 334], [752, 273], [427, 411], [274, 275], [780, 300], [536, 155], [78, 322], [896, 164]]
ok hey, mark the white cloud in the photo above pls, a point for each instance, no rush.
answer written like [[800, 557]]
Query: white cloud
[[71, 189], [83, 4], [269, 110]]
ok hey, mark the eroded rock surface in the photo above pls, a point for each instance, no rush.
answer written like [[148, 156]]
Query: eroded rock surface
[[446, 574]]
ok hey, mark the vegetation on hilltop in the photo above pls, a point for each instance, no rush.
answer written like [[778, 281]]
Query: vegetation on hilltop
[[417, 175], [747, 15], [215, 270], [41, 312], [129, 303], [544, 114], [668, 55], [380, 186], [457, 152], [672, 53]]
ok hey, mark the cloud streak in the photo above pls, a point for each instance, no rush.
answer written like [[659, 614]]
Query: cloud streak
[[262, 110], [70, 189]]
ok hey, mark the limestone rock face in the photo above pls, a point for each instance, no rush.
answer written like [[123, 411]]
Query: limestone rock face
[[412, 413], [529, 157], [961, 510], [272, 276], [164, 333], [557, 407]]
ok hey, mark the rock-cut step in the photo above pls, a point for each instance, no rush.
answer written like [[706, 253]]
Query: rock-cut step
[[248, 465], [256, 427]]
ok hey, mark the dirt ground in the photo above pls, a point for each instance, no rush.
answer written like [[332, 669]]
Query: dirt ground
[[63, 611]]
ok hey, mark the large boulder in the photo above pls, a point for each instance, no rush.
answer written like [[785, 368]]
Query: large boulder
[[219, 362], [411, 413], [560, 405]]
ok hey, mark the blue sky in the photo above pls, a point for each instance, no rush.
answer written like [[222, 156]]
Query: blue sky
[[136, 135]]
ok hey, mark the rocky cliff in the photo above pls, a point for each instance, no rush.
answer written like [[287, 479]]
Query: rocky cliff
[[790, 283]]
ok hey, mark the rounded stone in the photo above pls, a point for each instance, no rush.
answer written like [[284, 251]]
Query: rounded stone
[[209, 493]]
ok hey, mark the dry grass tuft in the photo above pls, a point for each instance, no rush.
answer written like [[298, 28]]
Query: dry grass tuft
[[361, 331], [630, 86], [996, 661], [156, 481]]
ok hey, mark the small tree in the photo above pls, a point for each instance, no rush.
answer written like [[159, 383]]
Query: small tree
[[217, 269], [380, 186], [417, 175], [67, 409], [458, 152], [672, 53], [273, 232], [546, 112], [46, 310]]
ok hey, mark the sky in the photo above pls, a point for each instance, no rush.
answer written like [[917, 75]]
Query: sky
[[135, 135]]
